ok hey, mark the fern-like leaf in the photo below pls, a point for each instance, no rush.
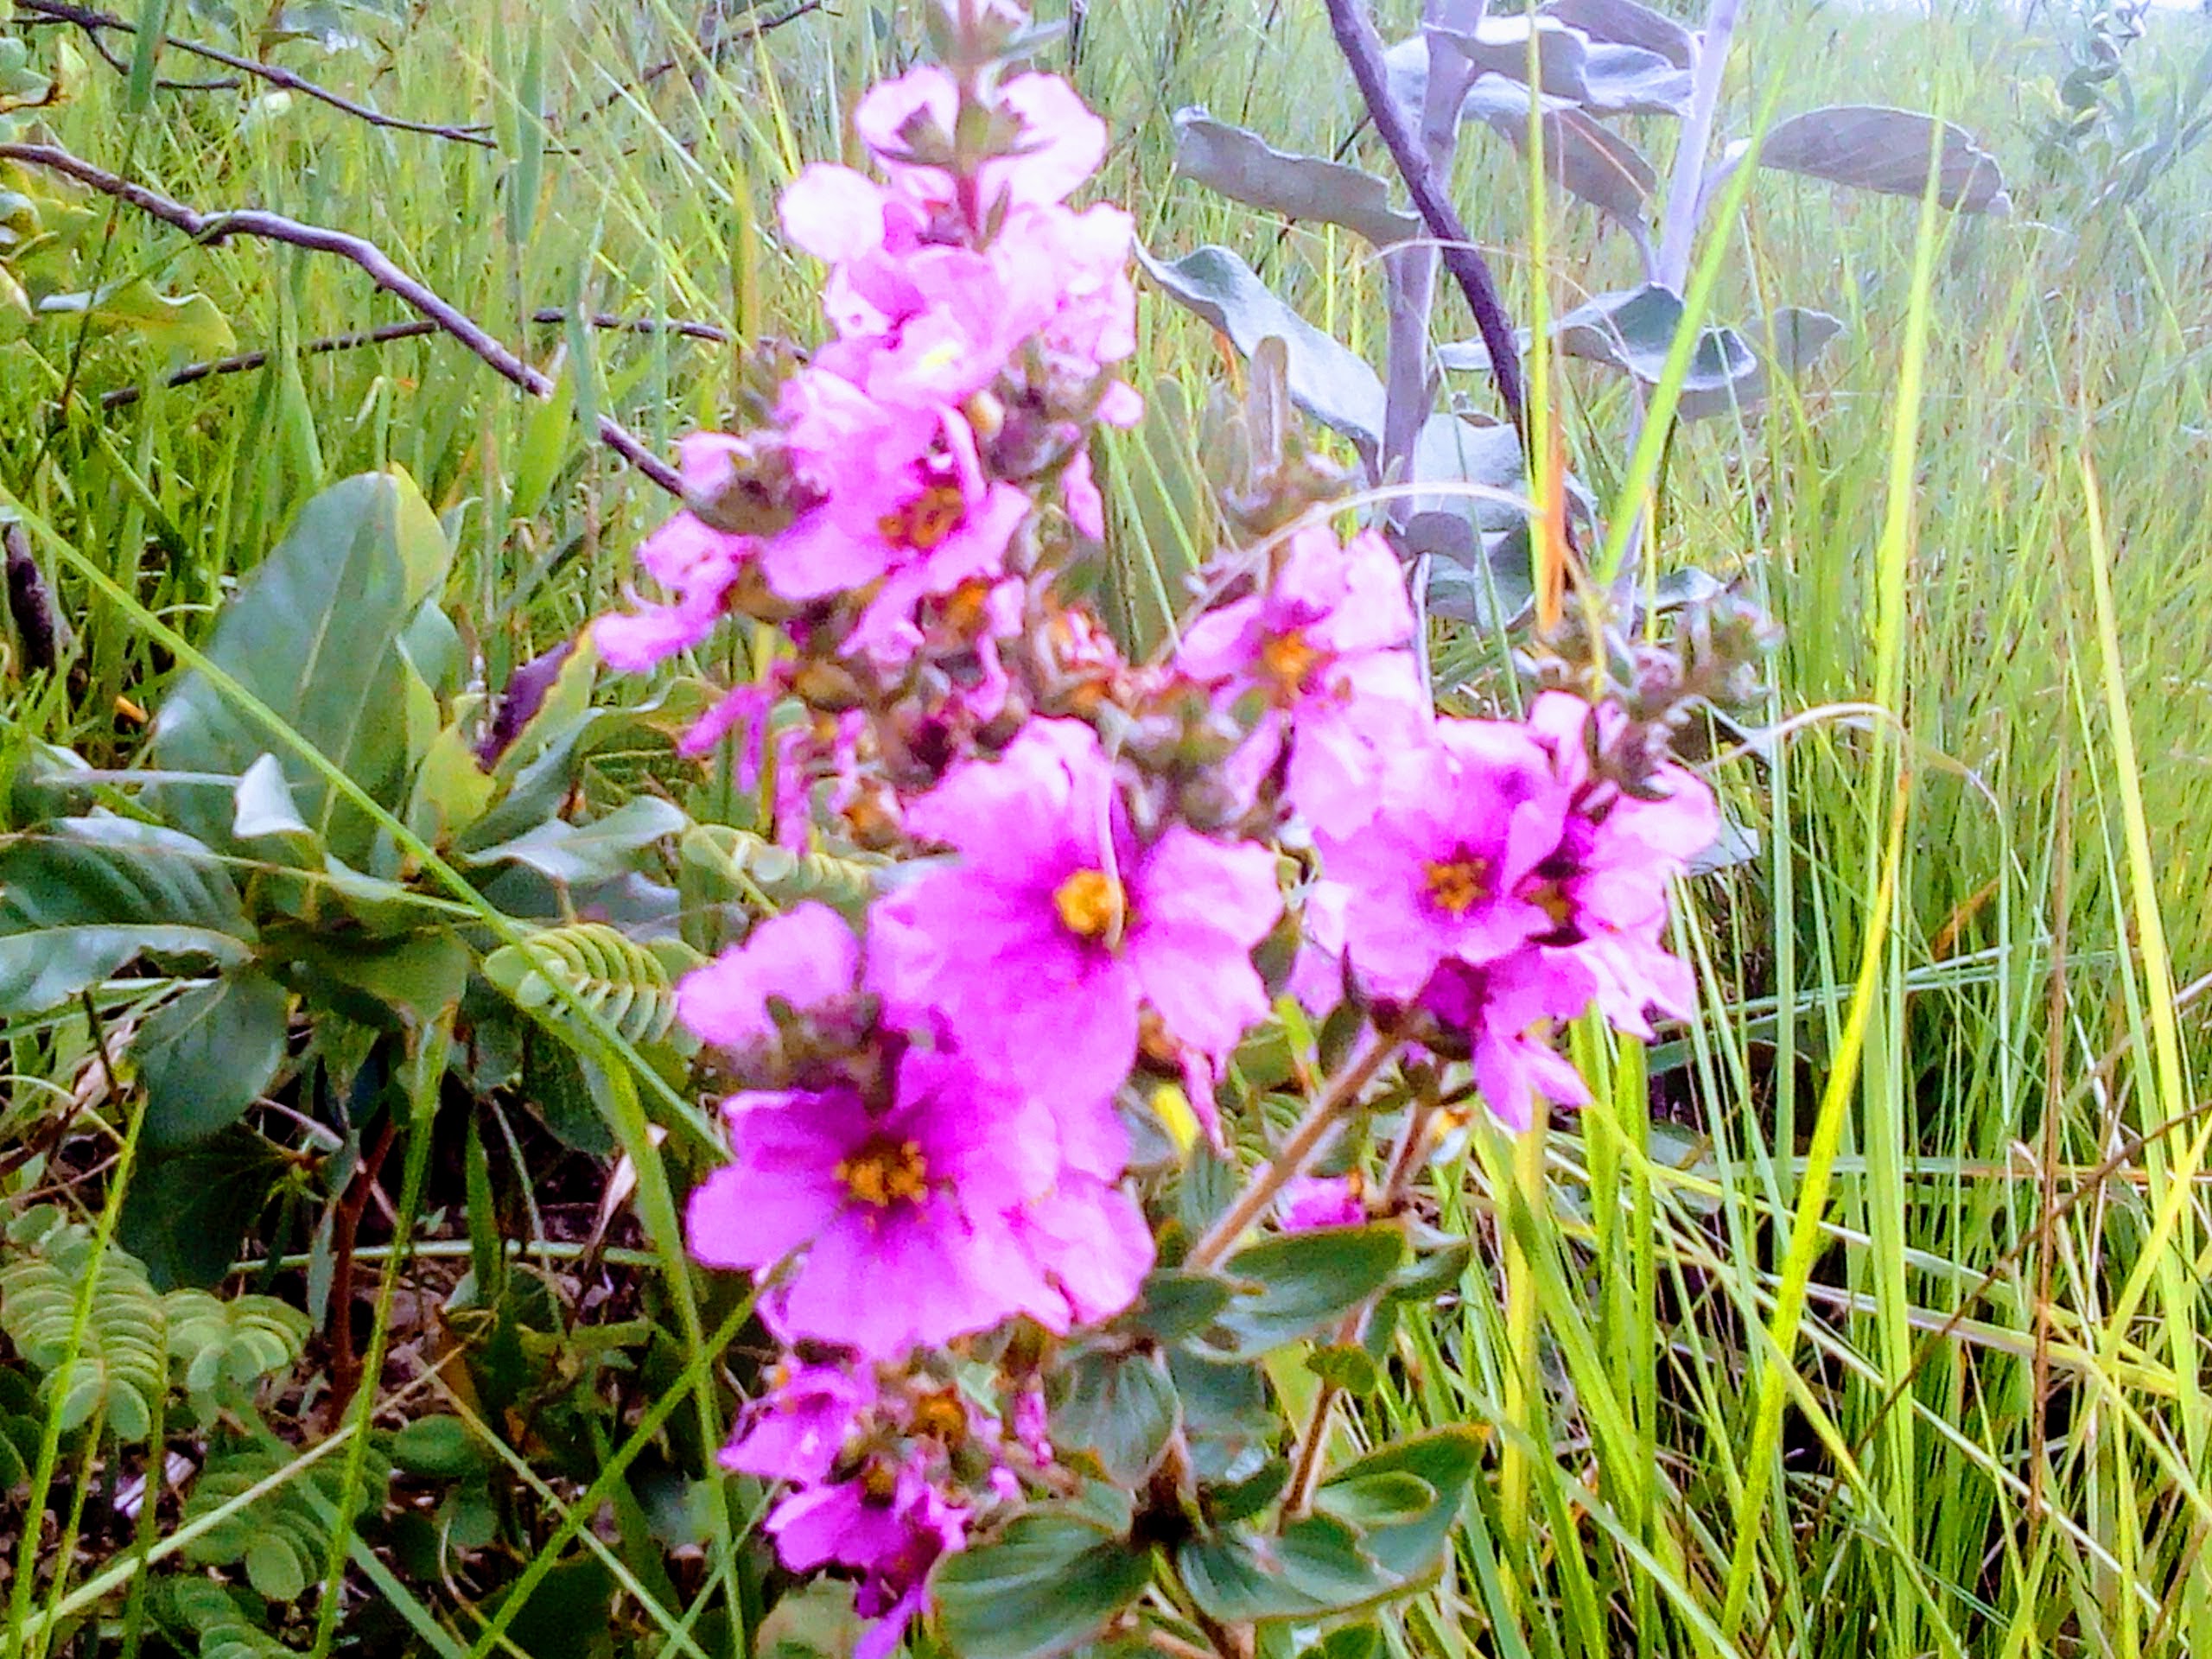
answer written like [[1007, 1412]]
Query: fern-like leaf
[[210, 1616], [630, 986], [238, 1342], [120, 1368], [283, 1537], [737, 860]]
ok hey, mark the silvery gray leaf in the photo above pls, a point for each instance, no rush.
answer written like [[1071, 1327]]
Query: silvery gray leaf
[[1624, 22], [1873, 148], [1456, 451], [1633, 330], [1794, 338], [1601, 76], [1240, 165], [1327, 379], [1492, 591], [1587, 160]]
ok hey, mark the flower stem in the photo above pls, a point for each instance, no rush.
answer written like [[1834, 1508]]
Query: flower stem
[[1291, 1160]]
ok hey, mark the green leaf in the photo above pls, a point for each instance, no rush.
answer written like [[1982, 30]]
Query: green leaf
[[1873, 148], [440, 1448], [191, 325], [120, 1368], [580, 855], [1351, 1642], [1346, 1365], [1446, 1460], [186, 1213], [1388, 1497], [82, 897], [1120, 1408], [314, 635], [1049, 1582], [1230, 1502], [208, 1055], [236, 1341], [1328, 380], [1173, 1305], [1296, 1285], [281, 1538], [261, 805], [630, 986], [1315, 1567], [452, 790]]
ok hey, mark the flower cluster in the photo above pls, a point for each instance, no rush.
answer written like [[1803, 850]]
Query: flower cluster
[[930, 1143]]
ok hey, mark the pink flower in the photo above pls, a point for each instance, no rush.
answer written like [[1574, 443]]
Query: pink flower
[[1506, 1012], [806, 958], [1439, 875], [688, 557], [797, 1430], [1054, 925], [917, 1195], [889, 1522], [1311, 1201], [906, 505], [1090, 1238], [1604, 885], [1324, 646], [1059, 142]]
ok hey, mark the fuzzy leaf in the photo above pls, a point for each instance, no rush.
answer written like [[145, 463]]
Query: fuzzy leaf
[[1624, 22], [1045, 1584], [1603, 77], [1327, 379], [1121, 1409], [1240, 165], [1873, 148], [1293, 1285]]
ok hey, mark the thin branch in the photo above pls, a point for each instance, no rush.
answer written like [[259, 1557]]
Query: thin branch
[[92, 22], [115, 61], [124, 396], [721, 49], [1292, 1158], [317, 238], [1363, 50]]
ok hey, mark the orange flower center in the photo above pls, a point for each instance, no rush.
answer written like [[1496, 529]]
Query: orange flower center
[[885, 1172], [1459, 885], [1288, 660], [1550, 897], [927, 519], [942, 1417], [1090, 903]]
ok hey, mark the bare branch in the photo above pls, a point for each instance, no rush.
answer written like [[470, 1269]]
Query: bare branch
[[92, 22], [1363, 50], [751, 31], [124, 396], [317, 238]]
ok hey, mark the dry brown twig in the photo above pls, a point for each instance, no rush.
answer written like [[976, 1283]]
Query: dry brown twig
[[242, 362], [91, 23]]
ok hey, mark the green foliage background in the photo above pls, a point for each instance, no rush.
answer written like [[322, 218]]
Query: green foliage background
[[1943, 1111]]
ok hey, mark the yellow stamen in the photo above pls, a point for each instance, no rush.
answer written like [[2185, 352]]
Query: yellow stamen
[[1459, 885], [942, 1417], [1551, 898], [1090, 903], [926, 520], [884, 1172], [1287, 660]]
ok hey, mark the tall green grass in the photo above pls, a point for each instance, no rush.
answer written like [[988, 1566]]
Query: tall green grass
[[1887, 1336]]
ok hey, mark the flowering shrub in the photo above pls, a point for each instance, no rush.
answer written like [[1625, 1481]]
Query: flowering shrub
[[1021, 1324]]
